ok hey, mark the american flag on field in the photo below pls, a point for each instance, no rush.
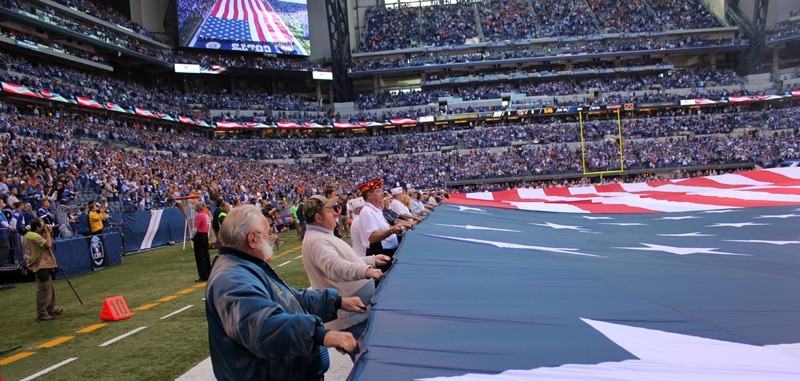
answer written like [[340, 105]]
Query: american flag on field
[[244, 20], [695, 292], [768, 187]]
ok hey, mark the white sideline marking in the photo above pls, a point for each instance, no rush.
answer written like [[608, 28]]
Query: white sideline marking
[[298, 257], [118, 338], [178, 311], [65, 362], [284, 263]]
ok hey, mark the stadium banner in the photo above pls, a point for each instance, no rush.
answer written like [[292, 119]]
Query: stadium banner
[[88, 102], [258, 125], [115, 107], [252, 46], [402, 121], [19, 90], [288, 125], [185, 120], [148, 229], [345, 125], [144, 112], [165, 116], [32, 45], [54, 96], [223, 124]]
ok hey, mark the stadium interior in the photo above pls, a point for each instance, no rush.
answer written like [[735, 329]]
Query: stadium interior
[[142, 102]]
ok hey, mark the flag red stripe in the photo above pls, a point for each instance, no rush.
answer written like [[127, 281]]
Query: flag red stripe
[[770, 177], [719, 201], [217, 6], [614, 208], [706, 183]]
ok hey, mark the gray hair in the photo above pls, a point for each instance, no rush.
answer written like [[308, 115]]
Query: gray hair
[[240, 221]]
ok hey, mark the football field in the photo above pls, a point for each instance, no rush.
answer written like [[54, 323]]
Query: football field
[[166, 336]]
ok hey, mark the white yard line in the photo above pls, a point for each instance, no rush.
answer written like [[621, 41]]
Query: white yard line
[[118, 338], [65, 362], [178, 311]]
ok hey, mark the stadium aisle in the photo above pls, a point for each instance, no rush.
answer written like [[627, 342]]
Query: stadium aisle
[[340, 368]]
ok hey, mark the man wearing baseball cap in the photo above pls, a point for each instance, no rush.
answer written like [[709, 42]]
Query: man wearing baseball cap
[[331, 263], [377, 235]]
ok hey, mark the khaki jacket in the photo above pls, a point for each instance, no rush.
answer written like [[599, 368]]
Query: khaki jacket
[[38, 256]]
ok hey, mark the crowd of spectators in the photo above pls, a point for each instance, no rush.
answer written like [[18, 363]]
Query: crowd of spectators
[[565, 18], [514, 20], [684, 14], [625, 16], [447, 25], [507, 20], [783, 29], [105, 13], [557, 87], [694, 79], [558, 48], [43, 43], [70, 82], [74, 149]]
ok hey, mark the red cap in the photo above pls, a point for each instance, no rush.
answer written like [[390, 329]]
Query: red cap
[[370, 185]]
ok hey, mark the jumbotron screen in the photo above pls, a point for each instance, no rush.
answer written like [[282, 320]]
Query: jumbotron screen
[[263, 26]]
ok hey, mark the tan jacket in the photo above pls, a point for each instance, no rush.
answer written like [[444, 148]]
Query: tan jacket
[[39, 256]]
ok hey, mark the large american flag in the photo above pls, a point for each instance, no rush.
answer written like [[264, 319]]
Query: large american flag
[[244, 20], [704, 286], [768, 187]]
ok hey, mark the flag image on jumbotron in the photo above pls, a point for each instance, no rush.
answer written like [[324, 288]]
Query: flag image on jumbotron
[[262, 26]]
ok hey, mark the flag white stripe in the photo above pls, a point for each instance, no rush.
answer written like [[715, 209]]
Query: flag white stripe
[[152, 228], [734, 179], [251, 22], [278, 34], [269, 28]]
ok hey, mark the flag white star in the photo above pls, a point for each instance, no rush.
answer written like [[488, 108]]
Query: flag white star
[[509, 245], [677, 218], [559, 227], [680, 250], [779, 216], [719, 211], [623, 223], [664, 355], [462, 208], [733, 224], [693, 234], [779, 243], [471, 227], [597, 218]]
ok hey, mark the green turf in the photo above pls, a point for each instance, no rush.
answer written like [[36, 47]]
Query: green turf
[[163, 351]]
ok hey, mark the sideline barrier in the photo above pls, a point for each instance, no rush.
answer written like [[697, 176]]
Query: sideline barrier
[[152, 228], [77, 255]]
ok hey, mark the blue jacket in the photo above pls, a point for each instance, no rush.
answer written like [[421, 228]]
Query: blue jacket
[[259, 328]]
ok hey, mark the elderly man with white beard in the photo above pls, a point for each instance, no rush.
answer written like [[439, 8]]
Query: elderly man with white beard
[[259, 327]]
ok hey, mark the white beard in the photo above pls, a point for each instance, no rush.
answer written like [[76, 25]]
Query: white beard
[[266, 250]]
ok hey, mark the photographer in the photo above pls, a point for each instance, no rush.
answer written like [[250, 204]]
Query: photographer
[[96, 216], [37, 245]]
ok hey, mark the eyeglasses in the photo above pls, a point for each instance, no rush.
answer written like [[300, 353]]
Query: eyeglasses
[[272, 237]]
